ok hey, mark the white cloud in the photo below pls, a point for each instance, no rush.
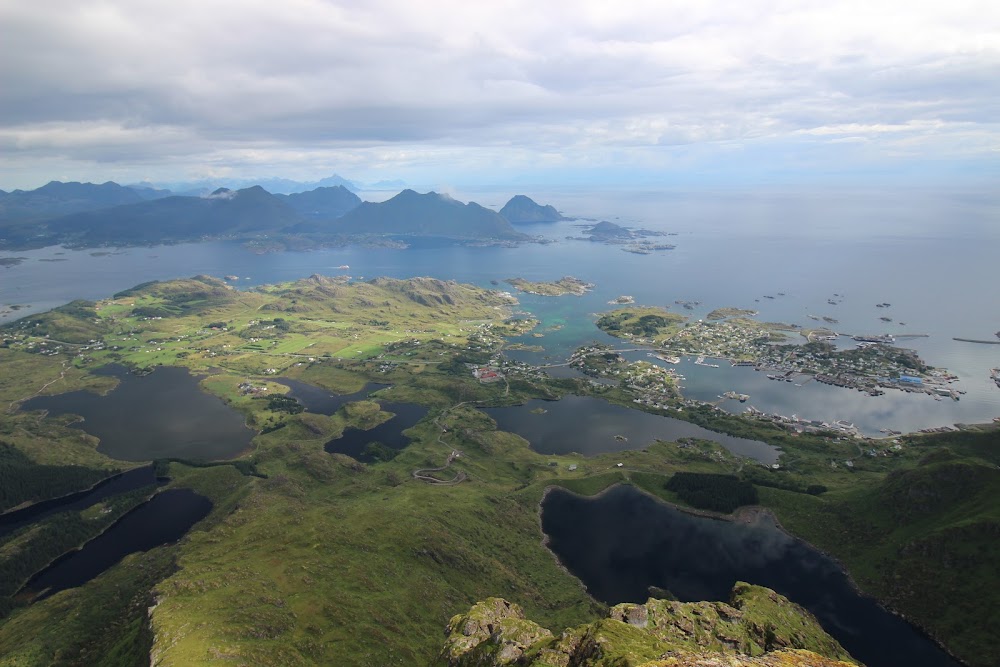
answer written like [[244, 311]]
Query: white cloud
[[99, 85]]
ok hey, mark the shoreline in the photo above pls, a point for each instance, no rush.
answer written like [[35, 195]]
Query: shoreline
[[746, 514]]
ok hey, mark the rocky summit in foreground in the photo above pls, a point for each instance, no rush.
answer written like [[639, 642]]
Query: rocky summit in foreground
[[756, 627]]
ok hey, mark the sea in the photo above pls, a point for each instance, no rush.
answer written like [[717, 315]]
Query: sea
[[789, 254]]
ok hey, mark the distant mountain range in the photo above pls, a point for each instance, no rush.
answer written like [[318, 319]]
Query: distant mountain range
[[88, 215], [430, 214], [278, 186], [55, 198]]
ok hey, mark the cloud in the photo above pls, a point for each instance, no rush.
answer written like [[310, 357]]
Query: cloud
[[383, 84]]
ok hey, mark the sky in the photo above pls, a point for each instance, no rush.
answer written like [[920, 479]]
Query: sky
[[501, 92]]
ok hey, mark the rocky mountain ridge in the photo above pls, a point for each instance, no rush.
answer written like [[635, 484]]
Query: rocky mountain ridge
[[757, 627]]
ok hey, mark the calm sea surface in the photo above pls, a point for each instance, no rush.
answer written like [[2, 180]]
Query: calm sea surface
[[932, 255]]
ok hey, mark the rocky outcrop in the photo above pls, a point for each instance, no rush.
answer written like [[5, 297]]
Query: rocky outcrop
[[757, 627]]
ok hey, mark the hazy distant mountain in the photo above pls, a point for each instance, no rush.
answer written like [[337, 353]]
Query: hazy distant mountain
[[56, 198], [332, 182], [431, 214], [109, 214], [322, 203], [521, 209], [222, 213], [273, 185], [395, 184]]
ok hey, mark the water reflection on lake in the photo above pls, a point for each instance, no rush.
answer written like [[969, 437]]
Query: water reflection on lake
[[588, 426], [622, 542], [162, 414]]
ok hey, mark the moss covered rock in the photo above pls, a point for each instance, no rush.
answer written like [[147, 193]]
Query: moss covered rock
[[756, 627]]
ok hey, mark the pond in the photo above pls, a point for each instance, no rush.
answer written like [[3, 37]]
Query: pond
[[321, 401], [165, 518], [622, 542], [162, 414], [354, 442], [589, 426]]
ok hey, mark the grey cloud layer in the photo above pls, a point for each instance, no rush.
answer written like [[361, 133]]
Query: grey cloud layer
[[253, 81]]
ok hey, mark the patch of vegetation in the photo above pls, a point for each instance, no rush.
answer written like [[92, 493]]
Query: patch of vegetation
[[23, 481], [718, 493], [645, 322], [282, 403], [726, 313]]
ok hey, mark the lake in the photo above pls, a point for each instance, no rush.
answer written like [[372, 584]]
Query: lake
[[162, 414], [321, 401], [354, 441], [622, 542], [588, 426], [931, 254], [165, 518]]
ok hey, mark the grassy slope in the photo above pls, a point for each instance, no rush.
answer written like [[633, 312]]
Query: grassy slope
[[923, 539]]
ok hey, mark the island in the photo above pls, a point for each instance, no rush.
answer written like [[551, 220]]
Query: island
[[727, 313], [622, 300], [632, 240], [377, 493], [563, 286]]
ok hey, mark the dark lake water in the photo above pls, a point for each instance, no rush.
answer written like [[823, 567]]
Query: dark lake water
[[165, 518], [126, 481], [162, 414], [588, 426], [322, 401], [390, 433], [622, 542]]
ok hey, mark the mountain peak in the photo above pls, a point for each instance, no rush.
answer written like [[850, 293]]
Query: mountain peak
[[429, 214], [522, 209]]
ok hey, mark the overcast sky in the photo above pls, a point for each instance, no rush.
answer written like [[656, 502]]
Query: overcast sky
[[469, 92]]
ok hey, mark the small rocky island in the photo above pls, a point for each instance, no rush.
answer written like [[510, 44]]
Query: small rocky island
[[632, 240], [622, 300], [728, 312], [561, 287]]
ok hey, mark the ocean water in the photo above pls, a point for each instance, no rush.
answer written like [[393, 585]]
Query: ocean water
[[931, 254]]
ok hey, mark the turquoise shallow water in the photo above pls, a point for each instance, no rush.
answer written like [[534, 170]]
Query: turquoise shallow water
[[932, 255]]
